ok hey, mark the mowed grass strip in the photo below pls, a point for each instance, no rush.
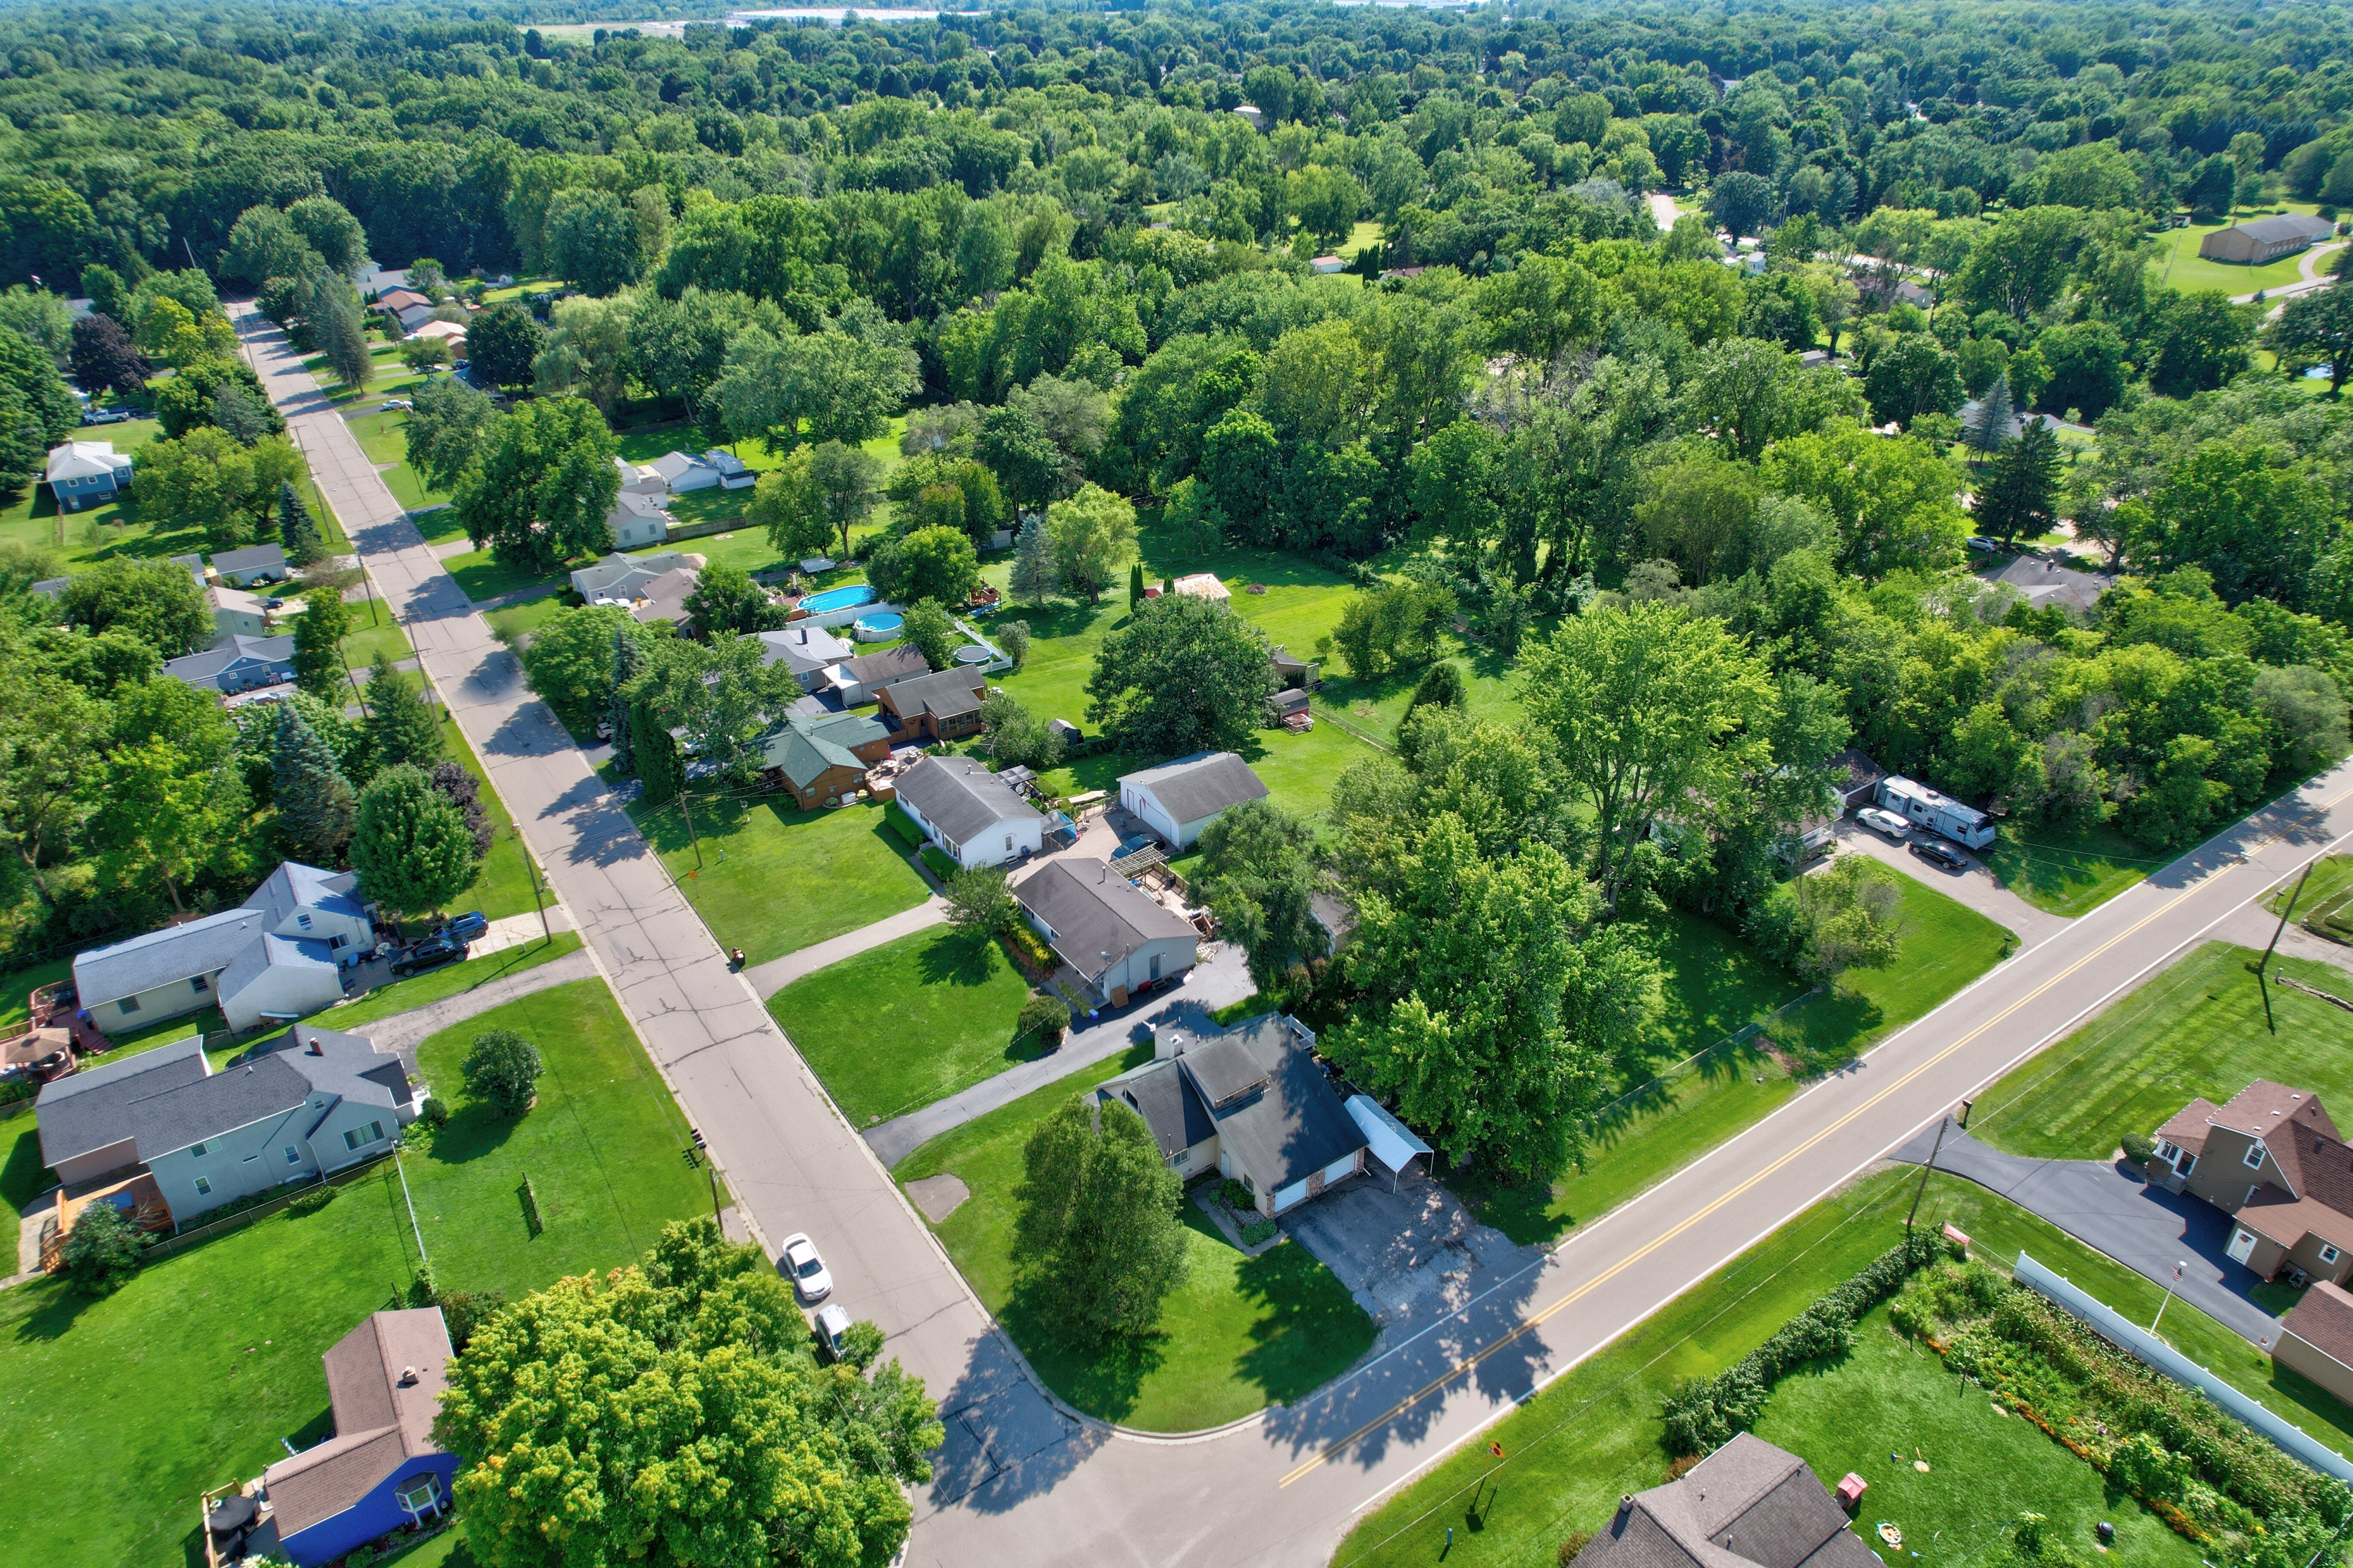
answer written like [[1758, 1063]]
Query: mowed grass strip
[[119, 1411], [1240, 1333], [772, 880], [891, 1029], [2195, 1029], [2068, 874]]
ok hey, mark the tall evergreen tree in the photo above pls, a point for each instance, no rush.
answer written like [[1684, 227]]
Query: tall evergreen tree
[[305, 546], [1134, 584], [1989, 429], [1033, 575], [319, 634], [657, 754], [617, 712], [316, 806], [338, 329], [2016, 498], [400, 724]]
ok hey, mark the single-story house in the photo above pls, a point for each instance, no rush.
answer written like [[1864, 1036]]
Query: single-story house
[[2272, 1160], [399, 299], [1326, 264], [2045, 582], [381, 1468], [1177, 800], [254, 564], [638, 519], [321, 1100], [971, 815], [943, 706], [275, 957], [806, 649], [1118, 937], [450, 333], [412, 315], [682, 473], [86, 473], [822, 759], [621, 579], [1203, 585], [640, 478], [2316, 1338], [1248, 1101], [857, 679], [238, 611], [1748, 1503], [237, 663], [664, 598], [2262, 239]]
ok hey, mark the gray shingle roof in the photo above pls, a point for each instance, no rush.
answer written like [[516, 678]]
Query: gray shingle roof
[[1747, 1505], [803, 646], [1293, 1127], [91, 1110], [1093, 913], [2287, 225], [204, 946], [274, 952], [252, 558], [237, 1096], [294, 886], [892, 665], [205, 668], [946, 694], [960, 798], [1171, 1107], [1200, 786]]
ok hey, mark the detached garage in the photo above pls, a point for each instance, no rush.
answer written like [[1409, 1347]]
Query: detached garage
[[1177, 800]]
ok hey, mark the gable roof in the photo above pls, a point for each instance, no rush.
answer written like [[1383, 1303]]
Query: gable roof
[[204, 946], [1292, 1124], [960, 798], [207, 668], [83, 1113], [1164, 1097], [275, 951], [1098, 919], [807, 748], [1202, 585], [2285, 226], [294, 886], [252, 558], [804, 646], [2324, 1320], [664, 598], [892, 665], [674, 466], [81, 460], [1747, 1505], [1200, 786], [384, 1384], [237, 1096], [944, 694]]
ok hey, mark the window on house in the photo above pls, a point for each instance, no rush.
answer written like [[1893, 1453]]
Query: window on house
[[360, 1137], [202, 1186], [417, 1495], [293, 1155], [2254, 1157], [335, 942], [199, 984], [128, 1004], [197, 1150], [2188, 1163], [302, 920], [2329, 1255]]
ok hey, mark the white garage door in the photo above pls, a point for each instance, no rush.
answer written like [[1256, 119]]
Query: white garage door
[[1293, 1193], [1338, 1169]]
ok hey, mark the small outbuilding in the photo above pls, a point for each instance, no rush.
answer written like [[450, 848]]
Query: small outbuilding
[[1177, 799]]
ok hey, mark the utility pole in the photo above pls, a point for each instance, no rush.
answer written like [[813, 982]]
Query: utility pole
[[1942, 1123], [422, 1261], [689, 813], [2262, 984], [537, 902], [2172, 1286]]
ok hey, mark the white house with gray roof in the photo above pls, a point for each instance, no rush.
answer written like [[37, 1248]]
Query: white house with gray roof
[[1117, 937], [322, 1100], [1177, 800], [237, 663], [276, 957], [805, 649], [971, 814]]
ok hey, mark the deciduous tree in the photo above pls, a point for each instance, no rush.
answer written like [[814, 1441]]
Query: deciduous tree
[[539, 493], [1094, 535], [1095, 1222], [319, 633], [1183, 674], [1258, 872], [409, 844], [502, 1068], [935, 563], [399, 726]]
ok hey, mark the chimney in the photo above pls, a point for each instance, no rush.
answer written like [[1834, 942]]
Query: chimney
[[1625, 1502], [317, 1049]]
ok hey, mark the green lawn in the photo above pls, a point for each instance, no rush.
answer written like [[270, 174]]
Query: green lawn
[[1594, 1433], [1241, 1332], [383, 437], [121, 1411], [2195, 1029], [891, 1029], [772, 880], [16, 988], [484, 577], [2178, 265], [2067, 873], [454, 980], [1715, 984], [2321, 905], [391, 378], [511, 622], [376, 631], [504, 886]]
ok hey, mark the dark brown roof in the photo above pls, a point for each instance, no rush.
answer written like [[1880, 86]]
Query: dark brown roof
[[2324, 1320], [384, 1383], [1161, 1094], [1747, 1505]]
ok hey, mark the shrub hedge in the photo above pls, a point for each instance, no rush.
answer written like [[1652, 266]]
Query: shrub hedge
[[312, 1199], [895, 817], [1703, 1414]]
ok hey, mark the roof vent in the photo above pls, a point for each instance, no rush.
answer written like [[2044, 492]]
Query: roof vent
[[407, 1377], [317, 1049]]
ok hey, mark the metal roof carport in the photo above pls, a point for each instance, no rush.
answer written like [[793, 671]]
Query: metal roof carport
[[1391, 1142]]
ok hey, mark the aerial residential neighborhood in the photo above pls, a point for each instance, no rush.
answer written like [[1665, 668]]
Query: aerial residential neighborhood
[[1306, 786]]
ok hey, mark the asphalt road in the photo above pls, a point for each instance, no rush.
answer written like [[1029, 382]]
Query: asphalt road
[[1020, 1482]]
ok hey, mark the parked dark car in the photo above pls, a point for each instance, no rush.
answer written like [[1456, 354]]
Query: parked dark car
[[1938, 853], [431, 953], [466, 927]]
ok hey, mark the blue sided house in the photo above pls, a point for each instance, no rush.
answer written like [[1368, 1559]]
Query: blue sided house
[[381, 1468], [86, 473]]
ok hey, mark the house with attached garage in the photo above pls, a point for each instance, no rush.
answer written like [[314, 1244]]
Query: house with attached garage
[[254, 564], [1248, 1101], [1117, 936], [276, 957], [971, 814], [382, 1469], [620, 579], [86, 473], [237, 663], [320, 1102], [806, 649], [2272, 1159], [1177, 800]]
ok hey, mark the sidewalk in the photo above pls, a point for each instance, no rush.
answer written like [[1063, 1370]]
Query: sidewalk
[[773, 976]]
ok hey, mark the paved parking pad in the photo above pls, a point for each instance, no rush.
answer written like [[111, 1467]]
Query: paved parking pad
[[1408, 1256]]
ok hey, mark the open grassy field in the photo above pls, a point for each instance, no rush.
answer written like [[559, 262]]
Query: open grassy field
[[772, 880], [2195, 1029], [2067, 874], [1715, 984], [2322, 904], [383, 436], [898, 1026], [119, 1411], [1594, 1433], [2177, 264], [1240, 1332], [375, 630]]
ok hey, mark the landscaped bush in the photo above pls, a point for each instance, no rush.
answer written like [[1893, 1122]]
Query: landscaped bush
[[2138, 1149], [1028, 951], [1704, 1412], [433, 1113], [311, 1200], [101, 1251], [1046, 1015], [941, 866], [2207, 1475], [895, 817]]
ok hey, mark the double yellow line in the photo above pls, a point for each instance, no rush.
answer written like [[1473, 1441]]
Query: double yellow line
[[1535, 1320]]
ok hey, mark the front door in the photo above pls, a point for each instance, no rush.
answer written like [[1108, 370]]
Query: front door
[[2242, 1242]]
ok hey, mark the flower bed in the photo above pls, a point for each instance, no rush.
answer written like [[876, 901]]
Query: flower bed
[[2211, 1477]]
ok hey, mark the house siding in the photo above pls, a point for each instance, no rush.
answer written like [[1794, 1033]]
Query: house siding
[[2299, 1354], [116, 1156], [239, 1163], [2223, 1176], [833, 783], [377, 1513], [1177, 954], [169, 1000]]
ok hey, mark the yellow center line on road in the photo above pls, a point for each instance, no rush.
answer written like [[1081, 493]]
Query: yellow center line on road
[[1534, 1320]]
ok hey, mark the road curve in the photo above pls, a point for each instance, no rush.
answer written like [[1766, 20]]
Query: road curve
[[1020, 1481]]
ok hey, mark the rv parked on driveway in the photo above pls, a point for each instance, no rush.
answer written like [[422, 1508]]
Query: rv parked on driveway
[[1940, 814]]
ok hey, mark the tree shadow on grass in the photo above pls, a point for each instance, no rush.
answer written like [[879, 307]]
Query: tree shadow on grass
[[956, 958], [23, 1177], [1823, 1036], [476, 1130], [1313, 1329], [54, 1317], [1106, 1382]]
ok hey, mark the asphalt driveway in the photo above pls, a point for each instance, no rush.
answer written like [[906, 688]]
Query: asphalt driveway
[[1972, 885], [1411, 1255], [2144, 1227]]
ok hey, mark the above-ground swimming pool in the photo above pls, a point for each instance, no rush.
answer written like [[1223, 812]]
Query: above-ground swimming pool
[[838, 599], [880, 627]]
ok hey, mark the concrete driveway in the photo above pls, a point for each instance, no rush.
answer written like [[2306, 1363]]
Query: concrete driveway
[[2144, 1227], [1973, 886], [1408, 1256]]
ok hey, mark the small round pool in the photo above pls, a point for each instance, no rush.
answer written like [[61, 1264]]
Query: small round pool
[[972, 653], [834, 599], [878, 627]]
